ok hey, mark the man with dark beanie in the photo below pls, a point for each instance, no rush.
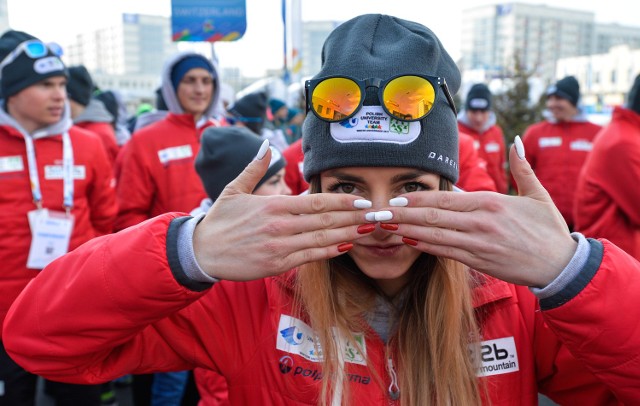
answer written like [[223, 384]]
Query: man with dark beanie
[[558, 147], [52, 174], [608, 197], [479, 121], [88, 112]]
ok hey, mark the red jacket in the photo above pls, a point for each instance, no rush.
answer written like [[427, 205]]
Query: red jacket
[[473, 169], [607, 201], [129, 314], [94, 207], [293, 176], [155, 172], [556, 152], [491, 148], [107, 135]]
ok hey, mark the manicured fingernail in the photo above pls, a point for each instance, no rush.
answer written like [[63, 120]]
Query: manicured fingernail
[[371, 216], [409, 241], [263, 150], [366, 228], [389, 226], [362, 204], [519, 147], [344, 247], [398, 202], [383, 215]]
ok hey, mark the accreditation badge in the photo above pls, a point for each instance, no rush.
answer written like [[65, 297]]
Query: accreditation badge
[[50, 236]]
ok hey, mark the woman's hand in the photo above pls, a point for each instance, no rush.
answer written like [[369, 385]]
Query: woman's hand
[[245, 237], [520, 239]]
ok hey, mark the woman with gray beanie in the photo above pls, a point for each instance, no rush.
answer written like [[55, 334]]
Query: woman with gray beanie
[[355, 293]]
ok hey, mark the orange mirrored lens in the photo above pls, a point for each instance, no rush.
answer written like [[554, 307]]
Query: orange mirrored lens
[[335, 99], [409, 97]]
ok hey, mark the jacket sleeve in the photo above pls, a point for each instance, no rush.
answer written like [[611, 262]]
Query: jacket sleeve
[[597, 320], [112, 306], [102, 194], [134, 186], [622, 178]]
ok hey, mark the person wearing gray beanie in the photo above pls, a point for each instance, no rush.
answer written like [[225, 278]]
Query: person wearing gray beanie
[[353, 293]]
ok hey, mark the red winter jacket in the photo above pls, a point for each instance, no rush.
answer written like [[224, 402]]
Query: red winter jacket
[[607, 200], [293, 175], [120, 309], [473, 169], [556, 152], [155, 172], [491, 148], [107, 135], [94, 205]]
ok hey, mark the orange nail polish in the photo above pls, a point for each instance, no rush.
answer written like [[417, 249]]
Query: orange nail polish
[[389, 226], [409, 241], [344, 247], [366, 228]]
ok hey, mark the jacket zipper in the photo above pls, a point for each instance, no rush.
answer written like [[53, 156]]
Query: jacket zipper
[[394, 389]]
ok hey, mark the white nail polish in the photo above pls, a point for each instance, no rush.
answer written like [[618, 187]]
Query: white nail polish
[[383, 215], [263, 150], [362, 204], [398, 202], [371, 216], [519, 147]]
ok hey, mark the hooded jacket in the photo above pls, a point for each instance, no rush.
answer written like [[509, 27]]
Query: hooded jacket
[[556, 152], [154, 170], [250, 333], [489, 142], [607, 201], [97, 119], [94, 207]]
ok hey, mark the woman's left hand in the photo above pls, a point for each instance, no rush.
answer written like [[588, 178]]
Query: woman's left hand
[[519, 239]]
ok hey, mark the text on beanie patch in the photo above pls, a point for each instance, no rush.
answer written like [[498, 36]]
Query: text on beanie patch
[[373, 124]]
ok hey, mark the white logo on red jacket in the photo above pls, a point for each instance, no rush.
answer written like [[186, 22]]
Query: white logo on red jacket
[[11, 164], [495, 357]]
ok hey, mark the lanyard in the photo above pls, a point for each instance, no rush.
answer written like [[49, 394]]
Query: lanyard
[[67, 172]]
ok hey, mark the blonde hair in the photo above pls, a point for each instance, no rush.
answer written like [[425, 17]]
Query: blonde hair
[[435, 327]]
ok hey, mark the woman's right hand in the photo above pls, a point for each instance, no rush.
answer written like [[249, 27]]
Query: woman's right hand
[[245, 237]]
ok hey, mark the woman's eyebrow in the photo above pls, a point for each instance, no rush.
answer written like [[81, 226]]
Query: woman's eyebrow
[[346, 177], [407, 176]]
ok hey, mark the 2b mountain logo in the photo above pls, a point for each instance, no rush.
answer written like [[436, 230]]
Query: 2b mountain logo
[[496, 357]]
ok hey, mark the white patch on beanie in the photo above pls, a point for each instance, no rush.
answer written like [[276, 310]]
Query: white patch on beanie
[[373, 124], [49, 64]]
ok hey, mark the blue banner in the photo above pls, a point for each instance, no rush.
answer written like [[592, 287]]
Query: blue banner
[[208, 20]]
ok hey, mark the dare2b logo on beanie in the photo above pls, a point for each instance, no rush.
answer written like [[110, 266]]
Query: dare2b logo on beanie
[[21, 68]]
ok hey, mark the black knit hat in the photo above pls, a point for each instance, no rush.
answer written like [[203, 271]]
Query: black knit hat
[[633, 100], [381, 46], [251, 110], [23, 70], [225, 152], [79, 85], [567, 88], [478, 97]]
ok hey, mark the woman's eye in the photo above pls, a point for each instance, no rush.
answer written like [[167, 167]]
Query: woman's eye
[[414, 187], [343, 188]]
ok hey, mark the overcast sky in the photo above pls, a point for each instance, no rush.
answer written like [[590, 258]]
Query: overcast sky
[[262, 45]]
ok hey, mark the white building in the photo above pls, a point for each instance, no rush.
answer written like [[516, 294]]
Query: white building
[[539, 35]]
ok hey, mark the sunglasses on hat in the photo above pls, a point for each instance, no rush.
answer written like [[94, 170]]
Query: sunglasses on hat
[[33, 48], [404, 97]]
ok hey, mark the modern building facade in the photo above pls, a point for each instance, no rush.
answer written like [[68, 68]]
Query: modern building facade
[[538, 36]]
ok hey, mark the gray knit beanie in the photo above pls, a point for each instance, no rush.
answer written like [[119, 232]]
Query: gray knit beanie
[[225, 152], [381, 46]]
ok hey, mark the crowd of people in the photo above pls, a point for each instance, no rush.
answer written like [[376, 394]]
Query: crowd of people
[[375, 247]]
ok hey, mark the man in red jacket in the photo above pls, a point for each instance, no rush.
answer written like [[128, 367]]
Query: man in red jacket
[[56, 191], [90, 113], [558, 147], [154, 170], [477, 120], [607, 196]]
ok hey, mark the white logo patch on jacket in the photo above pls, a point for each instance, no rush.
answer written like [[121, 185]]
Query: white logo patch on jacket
[[581, 145], [53, 172], [175, 153], [297, 337], [496, 357], [545, 142], [11, 164]]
